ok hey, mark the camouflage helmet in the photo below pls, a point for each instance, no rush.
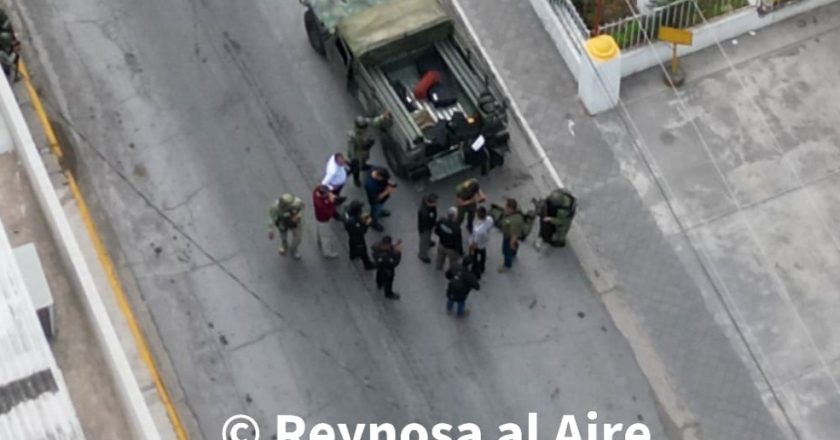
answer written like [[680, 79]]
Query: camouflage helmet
[[287, 199], [560, 198], [6, 38], [361, 122]]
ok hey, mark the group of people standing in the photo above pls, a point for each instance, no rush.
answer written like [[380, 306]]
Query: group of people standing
[[465, 260]]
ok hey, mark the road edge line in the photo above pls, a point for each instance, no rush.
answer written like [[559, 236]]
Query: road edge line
[[105, 261], [597, 272]]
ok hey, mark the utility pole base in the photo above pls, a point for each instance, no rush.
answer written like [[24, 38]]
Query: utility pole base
[[676, 77]]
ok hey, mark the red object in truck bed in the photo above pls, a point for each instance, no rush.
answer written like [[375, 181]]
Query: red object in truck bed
[[430, 78]]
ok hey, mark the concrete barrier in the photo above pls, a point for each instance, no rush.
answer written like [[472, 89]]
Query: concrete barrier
[[560, 28], [137, 412]]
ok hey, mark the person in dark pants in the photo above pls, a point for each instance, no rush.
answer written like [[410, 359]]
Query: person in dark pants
[[378, 187], [387, 256], [468, 195], [512, 224], [461, 282], [479, 239], [360, 142], [451, 246], [356, 224], [426, 221]]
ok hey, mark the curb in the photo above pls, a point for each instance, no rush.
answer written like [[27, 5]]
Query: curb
[[596, 271], [125, 382]]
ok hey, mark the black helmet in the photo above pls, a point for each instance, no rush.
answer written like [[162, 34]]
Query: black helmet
[[355, 207]]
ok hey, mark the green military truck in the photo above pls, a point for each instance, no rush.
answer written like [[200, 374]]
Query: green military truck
[[406, 58]]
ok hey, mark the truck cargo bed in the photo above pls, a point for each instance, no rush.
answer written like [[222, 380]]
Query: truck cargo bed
[[405, 71]]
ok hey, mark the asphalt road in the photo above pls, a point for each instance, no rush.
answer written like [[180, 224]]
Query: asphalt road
[[190, 117]]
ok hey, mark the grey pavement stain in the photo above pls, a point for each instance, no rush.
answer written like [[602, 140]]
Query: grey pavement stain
[[345, 354], [687, 203]]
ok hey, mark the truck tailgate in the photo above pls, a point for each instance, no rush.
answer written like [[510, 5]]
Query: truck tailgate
[[446, 165]]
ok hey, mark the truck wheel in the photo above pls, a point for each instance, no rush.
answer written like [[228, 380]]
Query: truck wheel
[[314, 32], [389, 148]]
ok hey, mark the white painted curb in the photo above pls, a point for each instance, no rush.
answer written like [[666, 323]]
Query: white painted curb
[[596, 270], [135, 406]]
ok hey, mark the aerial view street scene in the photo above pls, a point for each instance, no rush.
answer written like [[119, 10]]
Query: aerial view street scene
[[420, 219]]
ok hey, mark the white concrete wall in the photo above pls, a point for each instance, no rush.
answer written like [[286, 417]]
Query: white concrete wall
[[635, 60], [719, 29], [125, 382]]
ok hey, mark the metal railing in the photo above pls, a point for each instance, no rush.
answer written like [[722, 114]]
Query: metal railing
[[572, 21], [766, 6], [636, 30]]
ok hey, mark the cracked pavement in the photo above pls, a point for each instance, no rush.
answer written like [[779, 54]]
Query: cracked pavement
[[190, 117]]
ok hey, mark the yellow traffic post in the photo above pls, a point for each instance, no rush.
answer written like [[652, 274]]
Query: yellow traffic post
[[675, 37]]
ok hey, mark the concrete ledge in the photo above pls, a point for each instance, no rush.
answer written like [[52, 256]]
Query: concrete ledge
[[718, 30], [124, 380]]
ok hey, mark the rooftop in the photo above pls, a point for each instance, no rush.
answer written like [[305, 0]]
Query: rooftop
[[60, 374]]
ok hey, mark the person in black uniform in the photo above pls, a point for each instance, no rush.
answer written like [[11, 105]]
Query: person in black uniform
[[461, 281], [426, 221], [451, 246], [356, 224], [387, 256]]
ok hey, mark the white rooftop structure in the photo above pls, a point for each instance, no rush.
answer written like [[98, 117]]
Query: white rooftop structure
[[34, 402]]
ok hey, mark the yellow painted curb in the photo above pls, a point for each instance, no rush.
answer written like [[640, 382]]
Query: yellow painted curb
[[105, 260]]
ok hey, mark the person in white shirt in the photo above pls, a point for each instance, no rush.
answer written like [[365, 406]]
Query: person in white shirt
[[336, 175], [479, 238]]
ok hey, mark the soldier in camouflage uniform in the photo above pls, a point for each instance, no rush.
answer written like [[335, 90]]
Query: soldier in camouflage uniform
[[285, 216], [9, 47], [556, 213], [468, 195], [360, 142], [514, 229]]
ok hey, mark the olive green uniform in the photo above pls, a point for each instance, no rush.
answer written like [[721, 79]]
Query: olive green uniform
[[462, 192], [513, 229], [558, 209], [8, 54], [359, 144], [285, 216]]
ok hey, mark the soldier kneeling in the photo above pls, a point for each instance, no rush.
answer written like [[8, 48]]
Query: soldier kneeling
[[556, 213]]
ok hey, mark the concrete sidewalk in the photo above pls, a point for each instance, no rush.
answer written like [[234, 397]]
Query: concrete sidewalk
[[82, 364], [92, 380], [748, 157], [690, 345]]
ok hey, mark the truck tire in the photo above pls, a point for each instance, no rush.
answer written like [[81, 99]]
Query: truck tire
[[389, 149], [314, 31]]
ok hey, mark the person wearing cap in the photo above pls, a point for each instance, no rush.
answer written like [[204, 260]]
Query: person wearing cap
[[324, 203], [360, 142], [426, 222], [336, 173], [378, 187], [468, 195], [356, 224], [387, 255], [450, 246], [285, 216]]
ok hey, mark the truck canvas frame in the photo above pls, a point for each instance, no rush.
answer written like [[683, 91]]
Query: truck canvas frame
[[405, 57]]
